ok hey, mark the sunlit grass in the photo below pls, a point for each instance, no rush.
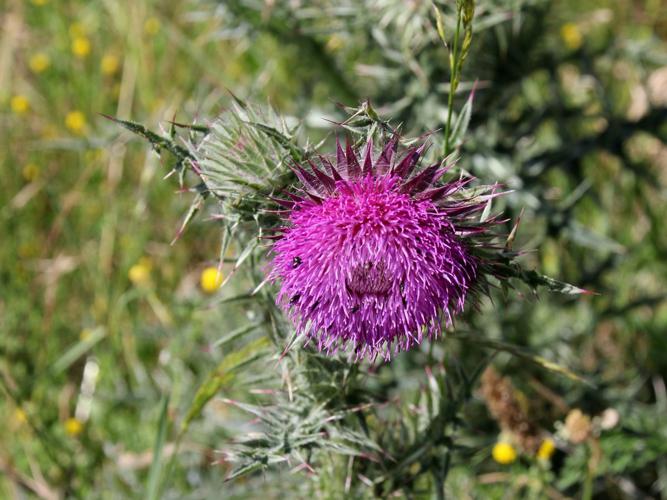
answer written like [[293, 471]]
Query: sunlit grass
[[79, 218]]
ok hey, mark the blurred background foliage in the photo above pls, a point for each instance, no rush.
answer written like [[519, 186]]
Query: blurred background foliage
[[107, 331]]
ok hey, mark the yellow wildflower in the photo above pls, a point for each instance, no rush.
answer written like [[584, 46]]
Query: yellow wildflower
[[100, 306], [39, 62], [93, 155], [30, 172], [571, 36], [547, 449], [77, 30], [20, 416], [335, 43], [140, 273], [39, 3], [28, 250], [75, 121], [73, 426], [210, 279], [152, 26], [50, 131], [19, 104], [503, 453], [109, 64], [80, 47], [85, 334]]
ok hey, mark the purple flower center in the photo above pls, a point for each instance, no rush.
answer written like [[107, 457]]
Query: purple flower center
[[369, 279]]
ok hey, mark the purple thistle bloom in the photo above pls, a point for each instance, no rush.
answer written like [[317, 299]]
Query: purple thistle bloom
[[375, 255]]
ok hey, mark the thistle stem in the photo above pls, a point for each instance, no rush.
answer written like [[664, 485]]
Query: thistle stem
[[453, 78]]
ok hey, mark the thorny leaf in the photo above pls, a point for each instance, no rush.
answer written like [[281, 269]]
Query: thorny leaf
[[224, 374]]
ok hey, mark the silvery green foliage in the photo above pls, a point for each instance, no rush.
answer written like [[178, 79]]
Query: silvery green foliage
[[245, 151]]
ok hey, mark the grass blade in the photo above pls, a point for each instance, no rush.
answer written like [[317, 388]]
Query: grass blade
[[78, 350], [153, 484]]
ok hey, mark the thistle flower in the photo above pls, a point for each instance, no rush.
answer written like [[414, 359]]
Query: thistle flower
[[376, 254]]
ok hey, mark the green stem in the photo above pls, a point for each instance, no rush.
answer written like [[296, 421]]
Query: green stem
[[587, 493], [169, 469], [439, 486], [453, 77]]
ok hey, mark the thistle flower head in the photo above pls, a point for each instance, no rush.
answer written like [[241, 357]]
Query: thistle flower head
[[374, 252]]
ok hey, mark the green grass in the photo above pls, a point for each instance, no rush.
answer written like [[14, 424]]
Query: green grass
[[79, 209]]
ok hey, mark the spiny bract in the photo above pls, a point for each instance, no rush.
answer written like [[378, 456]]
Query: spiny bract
[[375, 254]]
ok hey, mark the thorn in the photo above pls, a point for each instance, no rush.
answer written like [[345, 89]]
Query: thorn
[[353, 168], [367, 169], [513, 232], [109, 117]]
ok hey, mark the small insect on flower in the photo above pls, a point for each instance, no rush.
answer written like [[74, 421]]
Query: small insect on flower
[[503, 453], [376, 254]]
